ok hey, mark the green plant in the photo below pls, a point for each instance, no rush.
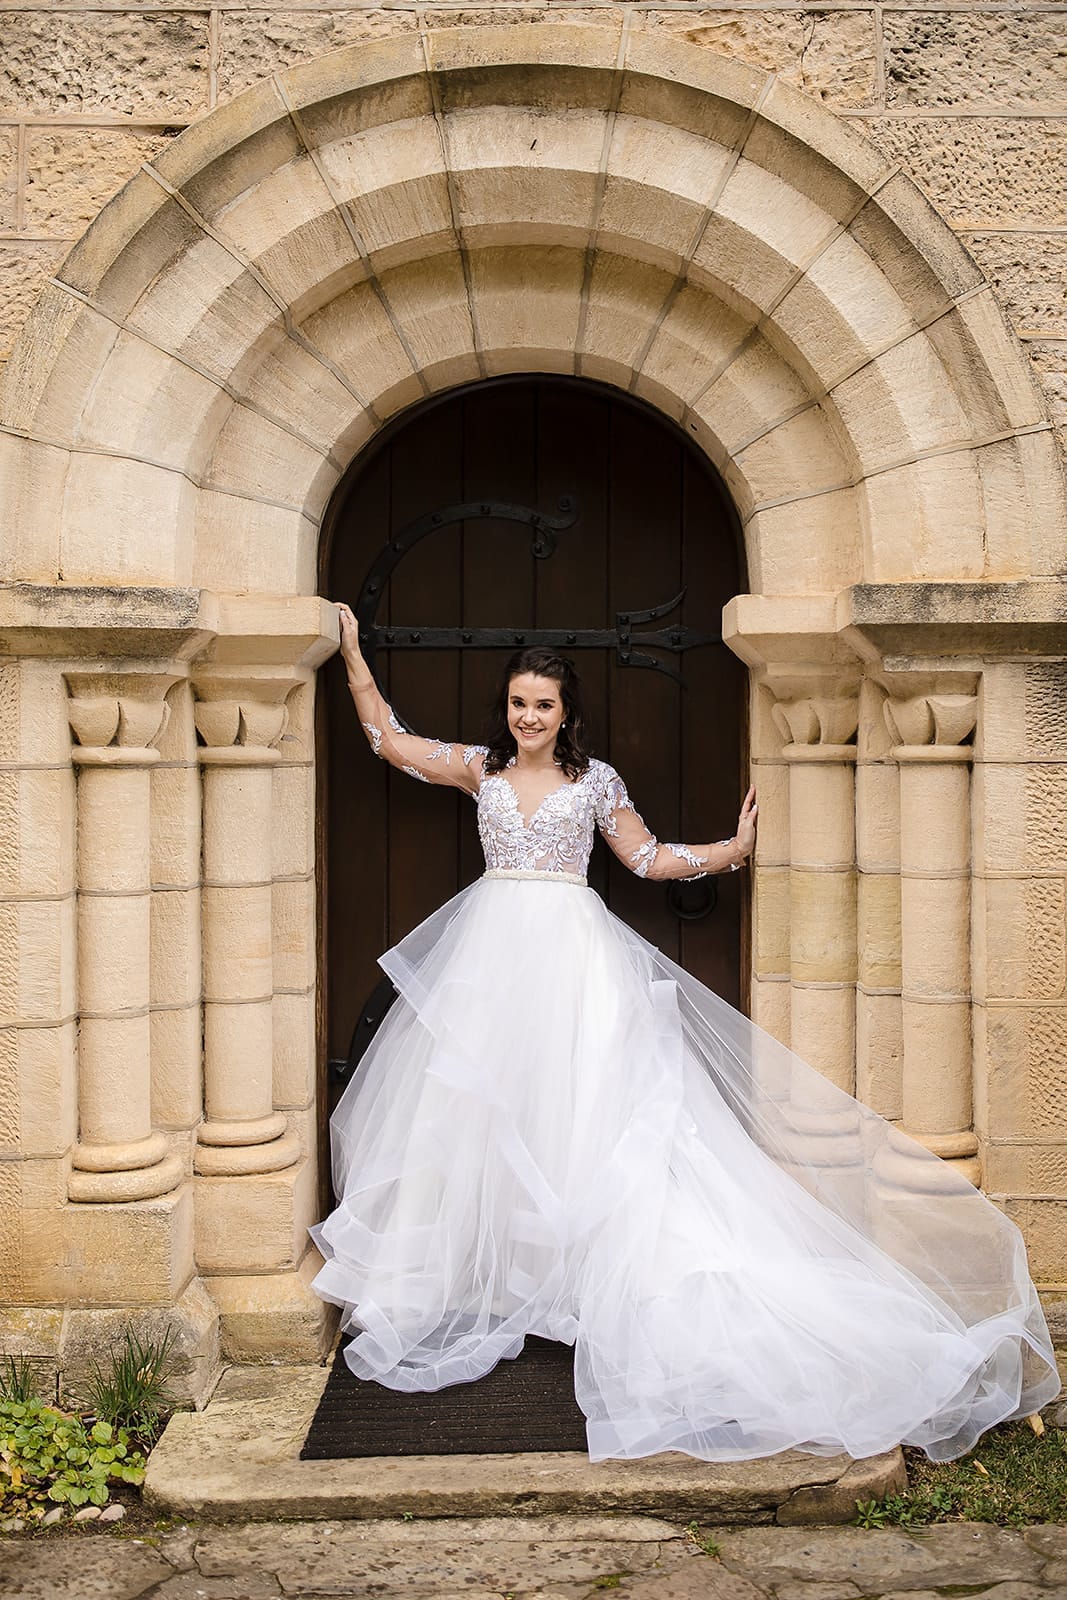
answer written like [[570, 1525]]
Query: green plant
[[49, 1456], [704, 1542], [610, 1580], [1013, 1477], [131, 1390], [18, 1381]]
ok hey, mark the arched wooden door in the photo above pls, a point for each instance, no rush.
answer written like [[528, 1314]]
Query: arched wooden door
[[653, 518]]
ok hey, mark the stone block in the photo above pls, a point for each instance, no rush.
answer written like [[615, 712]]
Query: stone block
[[255, 1224], [880, 1053], [253, 44], [8, 179], [33, 697], [1024, 1169], [821, 814], [287, 380], [262, 549], [690, 344], [34, 1333], [294, 822], [192, 1323], [236, 935], [113, 952], [771, 921], [794, 459], [878, 930], [260, 460], [658, 181], [147, 403], [70, 63], [136, 1254], [175, 842], [756, 389], [175, 959], [772, 790], [37, 832], [429, 300], [295, 1055], [1029, 273], [925, 520], [126, 522], [1023, 1065], [274, 1317], [822, 1031], [71, 173], [527, 305], [806, 546], [36, 961], [822, 918], [25, 265], [1049, 358], [899, 405], [1044, 1227], [770, 1004], [979, 171], [294, 933], [1020, 938], [937, 1100], [971, 59], [32, 480], [177, 1067], [356, 335], [829, 55], [935, 937]]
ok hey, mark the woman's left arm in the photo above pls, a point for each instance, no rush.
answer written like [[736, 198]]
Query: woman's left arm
[[640, 850]]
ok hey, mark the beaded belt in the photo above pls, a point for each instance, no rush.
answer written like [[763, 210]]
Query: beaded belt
[[545, 877]]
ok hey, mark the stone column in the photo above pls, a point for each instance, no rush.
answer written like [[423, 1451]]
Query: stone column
[[240, 721], [118, 1156], [935, 914], [822, 880]]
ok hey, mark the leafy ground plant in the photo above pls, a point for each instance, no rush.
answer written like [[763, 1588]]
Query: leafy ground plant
[[1012, 1477], [50, 1457], [131, 1390]]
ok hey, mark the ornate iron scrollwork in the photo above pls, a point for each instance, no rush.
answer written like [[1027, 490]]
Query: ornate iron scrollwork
[[631, 649]]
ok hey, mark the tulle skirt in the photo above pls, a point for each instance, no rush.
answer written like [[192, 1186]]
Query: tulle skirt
[[558, 1131]]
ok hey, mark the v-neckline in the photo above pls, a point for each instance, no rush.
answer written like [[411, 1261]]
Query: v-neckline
[[527, 823]]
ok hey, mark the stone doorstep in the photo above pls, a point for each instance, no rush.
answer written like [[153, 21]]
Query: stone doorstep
[[239, 1458]]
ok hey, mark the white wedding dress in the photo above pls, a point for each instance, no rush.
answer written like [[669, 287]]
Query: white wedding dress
[[558, 1131]]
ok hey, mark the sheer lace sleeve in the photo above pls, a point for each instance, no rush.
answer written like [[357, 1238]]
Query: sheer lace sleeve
[[626, 834], [429, 760]]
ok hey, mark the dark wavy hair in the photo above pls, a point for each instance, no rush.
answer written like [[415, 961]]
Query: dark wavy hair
[[571, 751]]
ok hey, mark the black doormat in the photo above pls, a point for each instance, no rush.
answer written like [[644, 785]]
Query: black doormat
[[524, 1404]]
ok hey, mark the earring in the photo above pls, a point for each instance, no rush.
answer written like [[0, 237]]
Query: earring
[[562, 726]]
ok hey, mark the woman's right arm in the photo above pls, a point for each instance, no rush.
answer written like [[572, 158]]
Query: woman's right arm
[[431, 760]]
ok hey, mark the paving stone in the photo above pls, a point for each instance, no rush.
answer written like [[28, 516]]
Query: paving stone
[[506, 1555], [698, 1580], [1048, 1539], [879, 1560], [194, 1586], [82, 1568], [815, 1591]]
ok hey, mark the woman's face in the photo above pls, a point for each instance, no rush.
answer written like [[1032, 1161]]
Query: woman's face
[[535, 711]]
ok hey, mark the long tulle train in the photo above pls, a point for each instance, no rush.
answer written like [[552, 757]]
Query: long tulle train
[[558, 1131]]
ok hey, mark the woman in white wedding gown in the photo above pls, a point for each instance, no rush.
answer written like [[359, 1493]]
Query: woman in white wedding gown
[[558, 1131]]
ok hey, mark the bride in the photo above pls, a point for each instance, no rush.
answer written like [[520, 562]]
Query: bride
[[558, 1131]]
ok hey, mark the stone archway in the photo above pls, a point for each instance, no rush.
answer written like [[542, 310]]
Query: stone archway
[[338, 242]]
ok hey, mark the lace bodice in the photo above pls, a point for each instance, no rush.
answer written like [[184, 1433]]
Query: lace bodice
[[558, 835]]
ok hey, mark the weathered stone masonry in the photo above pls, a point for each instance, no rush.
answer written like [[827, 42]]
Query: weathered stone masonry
[[620, 193]]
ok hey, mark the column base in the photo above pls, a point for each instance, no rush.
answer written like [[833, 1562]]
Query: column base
[[275, 1317], [245, 1160], [132, 1183]]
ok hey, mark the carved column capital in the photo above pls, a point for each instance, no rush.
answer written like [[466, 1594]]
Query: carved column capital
[[115, 716], [931, 727], [818, 727], [241, 719]]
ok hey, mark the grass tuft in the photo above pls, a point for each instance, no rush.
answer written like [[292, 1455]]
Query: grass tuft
[[1012, 1477]]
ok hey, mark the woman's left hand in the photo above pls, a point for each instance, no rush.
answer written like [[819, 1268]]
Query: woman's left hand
[[746, 823]]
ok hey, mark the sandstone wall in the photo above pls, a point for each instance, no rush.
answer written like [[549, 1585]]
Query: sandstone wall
[[972, 102]]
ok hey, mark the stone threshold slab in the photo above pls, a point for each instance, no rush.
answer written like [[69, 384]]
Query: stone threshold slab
[[239, 1458]]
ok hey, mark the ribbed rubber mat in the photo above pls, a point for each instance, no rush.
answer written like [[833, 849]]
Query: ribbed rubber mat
[[525, 1404]]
